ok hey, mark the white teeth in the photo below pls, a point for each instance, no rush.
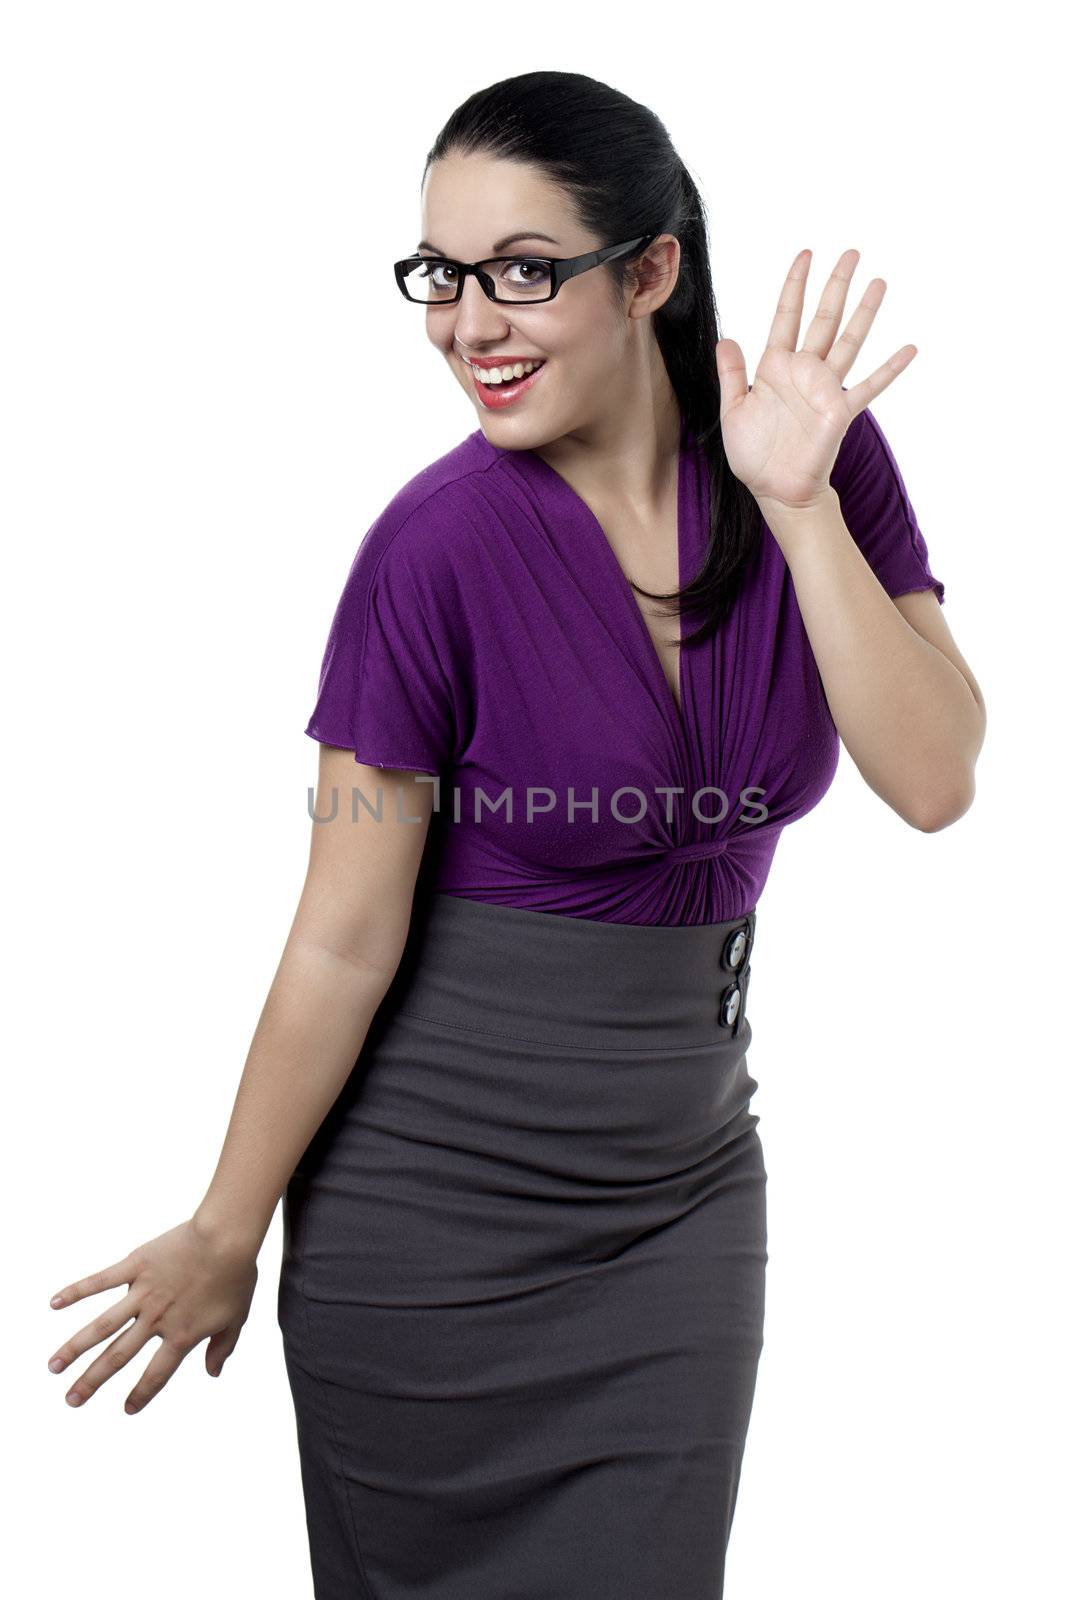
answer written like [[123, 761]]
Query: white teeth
[[502, 374]]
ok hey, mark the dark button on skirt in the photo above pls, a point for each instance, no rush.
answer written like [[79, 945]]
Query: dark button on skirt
[[522, 1283]]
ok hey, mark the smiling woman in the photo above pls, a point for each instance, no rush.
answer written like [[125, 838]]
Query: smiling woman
[[539, 1201], [501, 1080]]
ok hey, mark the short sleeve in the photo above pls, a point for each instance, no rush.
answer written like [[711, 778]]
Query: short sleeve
[[878, 512], [387, 681]]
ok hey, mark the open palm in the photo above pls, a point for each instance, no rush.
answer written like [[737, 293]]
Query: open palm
[[782, 435]]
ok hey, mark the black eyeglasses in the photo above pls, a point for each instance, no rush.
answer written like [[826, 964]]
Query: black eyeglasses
[[510, 280]]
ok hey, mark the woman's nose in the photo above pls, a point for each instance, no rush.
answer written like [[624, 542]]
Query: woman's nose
[[479, 320]]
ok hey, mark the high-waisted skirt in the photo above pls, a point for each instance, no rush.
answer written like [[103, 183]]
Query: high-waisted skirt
[[524, 1263]]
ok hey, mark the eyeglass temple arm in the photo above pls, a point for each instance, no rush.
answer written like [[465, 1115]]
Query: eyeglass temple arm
[[570, 269]]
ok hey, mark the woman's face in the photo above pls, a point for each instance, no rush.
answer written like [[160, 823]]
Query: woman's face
[[476, 206]]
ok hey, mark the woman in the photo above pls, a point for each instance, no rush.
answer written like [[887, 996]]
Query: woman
[[522, 1288]]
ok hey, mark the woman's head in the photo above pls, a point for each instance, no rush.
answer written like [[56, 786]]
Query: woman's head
[[594, 339], [582, 163]]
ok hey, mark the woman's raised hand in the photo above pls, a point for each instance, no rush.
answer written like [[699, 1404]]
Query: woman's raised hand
[[183, 1287], [782, 436]]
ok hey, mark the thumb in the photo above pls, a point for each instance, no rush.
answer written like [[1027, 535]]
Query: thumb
[[733, 381], [219, 1348]]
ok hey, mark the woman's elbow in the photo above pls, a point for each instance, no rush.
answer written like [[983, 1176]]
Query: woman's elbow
[[940, 807]]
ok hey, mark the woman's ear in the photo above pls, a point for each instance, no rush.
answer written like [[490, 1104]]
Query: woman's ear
[[656, 273]]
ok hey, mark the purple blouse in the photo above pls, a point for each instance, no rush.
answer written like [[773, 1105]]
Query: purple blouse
[[487, 633]]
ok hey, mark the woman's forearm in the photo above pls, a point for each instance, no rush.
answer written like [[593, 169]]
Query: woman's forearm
[[312, 1028], [906, 714]]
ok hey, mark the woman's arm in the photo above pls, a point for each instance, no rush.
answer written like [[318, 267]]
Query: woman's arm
[[905, 702], [197, 1280], [340, 957]]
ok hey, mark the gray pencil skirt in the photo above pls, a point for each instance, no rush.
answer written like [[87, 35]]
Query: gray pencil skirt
[[524, 1261]]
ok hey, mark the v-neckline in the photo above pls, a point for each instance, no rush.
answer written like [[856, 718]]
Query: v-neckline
[[666, 692]]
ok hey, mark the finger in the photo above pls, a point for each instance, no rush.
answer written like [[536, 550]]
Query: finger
[[861, 394], [822, 329], [786, 324], [110, 1361], [848, 346], [219, 1349], [101, 1327], [110, 1278], [733, 380], [162, 1367]]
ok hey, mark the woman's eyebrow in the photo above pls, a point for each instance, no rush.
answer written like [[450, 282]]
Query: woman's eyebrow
[[501, 244]]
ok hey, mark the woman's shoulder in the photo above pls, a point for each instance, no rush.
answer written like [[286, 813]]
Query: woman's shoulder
[[430, 518], [878, 509], [863, 444]]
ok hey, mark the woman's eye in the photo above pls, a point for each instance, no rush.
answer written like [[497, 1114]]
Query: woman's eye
[[438, 276], [530, 274]]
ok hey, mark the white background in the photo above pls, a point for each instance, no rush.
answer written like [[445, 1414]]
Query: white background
[[210, 388]]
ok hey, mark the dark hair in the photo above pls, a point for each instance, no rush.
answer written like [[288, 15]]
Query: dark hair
[[615, 159]]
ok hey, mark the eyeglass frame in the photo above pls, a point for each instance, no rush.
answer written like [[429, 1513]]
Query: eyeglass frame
[[561, 270]]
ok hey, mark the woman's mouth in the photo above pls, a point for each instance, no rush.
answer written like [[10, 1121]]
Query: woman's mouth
[[501, 391]]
